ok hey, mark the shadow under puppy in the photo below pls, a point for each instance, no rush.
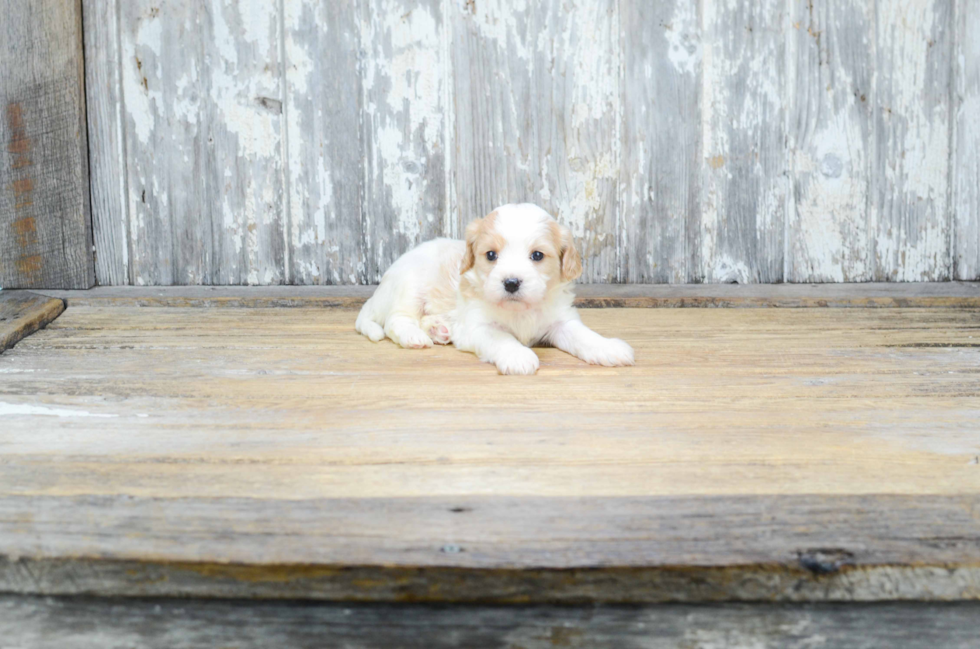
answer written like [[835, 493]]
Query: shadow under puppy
[[503, 290]]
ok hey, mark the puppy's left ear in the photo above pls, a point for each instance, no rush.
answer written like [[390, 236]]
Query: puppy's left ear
[[571, 262]]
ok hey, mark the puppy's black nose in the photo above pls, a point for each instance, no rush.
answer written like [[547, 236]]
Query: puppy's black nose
[[511, 284]]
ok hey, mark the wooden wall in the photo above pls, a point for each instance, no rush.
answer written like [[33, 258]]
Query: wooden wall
[[312, 142], [45, 225]]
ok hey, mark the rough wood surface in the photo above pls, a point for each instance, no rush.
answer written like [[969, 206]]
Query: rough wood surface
[[21, 314], [830, 135], [85, 623], [911, 170], [537, 91], [682, 142], [885, 295], [966, 125], [661, 228], [45, 223], [751, 454], [744, 170]]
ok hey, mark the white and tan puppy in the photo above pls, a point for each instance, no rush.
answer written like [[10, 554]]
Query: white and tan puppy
[[506, 288]]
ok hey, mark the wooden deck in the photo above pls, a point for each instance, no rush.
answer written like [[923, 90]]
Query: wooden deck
[[752, 454]]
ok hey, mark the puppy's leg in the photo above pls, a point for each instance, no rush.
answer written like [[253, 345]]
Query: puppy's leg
[[578, 340], [498, 347], [405, 331], [438, 328], [365, 324]]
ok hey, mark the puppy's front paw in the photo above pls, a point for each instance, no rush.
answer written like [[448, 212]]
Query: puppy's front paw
[[522, 361], [612, 352], [414, 340]]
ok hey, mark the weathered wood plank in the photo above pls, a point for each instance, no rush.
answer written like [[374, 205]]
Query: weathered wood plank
[[911, 168], [405, 77], [203, 99], [537, 89], [883, 295], [235, 452], [45, 228], [660, 228], [107, 147], [514, 549], [744, 185], [323, 113], [831, 141], [966, 164], [91, 623], [21, 314]]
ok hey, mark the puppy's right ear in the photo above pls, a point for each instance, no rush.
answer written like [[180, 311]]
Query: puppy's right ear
[[472, 234]]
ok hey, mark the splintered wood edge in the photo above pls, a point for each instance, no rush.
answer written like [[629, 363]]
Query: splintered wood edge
[[874, 295], [22, 314]]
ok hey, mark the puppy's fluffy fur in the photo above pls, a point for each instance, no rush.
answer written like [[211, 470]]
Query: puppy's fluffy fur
[[503, 290]]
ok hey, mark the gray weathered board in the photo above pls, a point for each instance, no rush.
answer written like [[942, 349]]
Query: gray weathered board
[[45, 223], [91, 623], [312, 142]]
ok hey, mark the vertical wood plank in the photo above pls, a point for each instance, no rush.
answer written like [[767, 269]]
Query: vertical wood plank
[[538, 116], [202, 92], [911, 215], [406, 66], [744, 168], [661, 136], [103, 90], [323, 117], [966, 163], [45, 224], [166, 138], [830, 141]]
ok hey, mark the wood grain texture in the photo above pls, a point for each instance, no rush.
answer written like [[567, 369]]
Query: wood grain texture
[[45, 228], [751, 454], [884, 295], [830, 138], [660, 173], [323, 111], [22, 313], [203, 117], [713, 142], [537, 88], [405, 86], [966, 161], [90, 623], [744, 169], [911, 172], [107, 146]]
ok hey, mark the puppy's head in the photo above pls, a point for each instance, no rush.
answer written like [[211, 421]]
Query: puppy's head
[[517, 255]]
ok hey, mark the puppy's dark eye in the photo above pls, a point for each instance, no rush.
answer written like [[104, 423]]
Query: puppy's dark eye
[[537, 255], [491, 256]]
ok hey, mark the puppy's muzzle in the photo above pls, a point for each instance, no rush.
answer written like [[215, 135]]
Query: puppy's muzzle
[[512, 284]]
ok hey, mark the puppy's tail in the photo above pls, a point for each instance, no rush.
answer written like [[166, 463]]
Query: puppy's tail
[[366, 323]]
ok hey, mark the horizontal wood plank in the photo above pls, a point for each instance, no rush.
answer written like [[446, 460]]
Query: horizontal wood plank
[[753, 454], [86, 623], [924, 295]]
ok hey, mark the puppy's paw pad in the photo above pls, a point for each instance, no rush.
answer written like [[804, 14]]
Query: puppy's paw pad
[[522, 363], [440, 334], [612, 353]]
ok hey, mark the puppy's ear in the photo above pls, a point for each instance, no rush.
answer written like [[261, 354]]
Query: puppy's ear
[[571, 262], [472, 234]]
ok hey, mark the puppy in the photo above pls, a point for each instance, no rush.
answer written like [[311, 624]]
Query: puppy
[[506, 288]]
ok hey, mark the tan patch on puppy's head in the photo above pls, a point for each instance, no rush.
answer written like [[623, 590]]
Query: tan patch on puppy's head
[[571, 262], [480, 237]]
